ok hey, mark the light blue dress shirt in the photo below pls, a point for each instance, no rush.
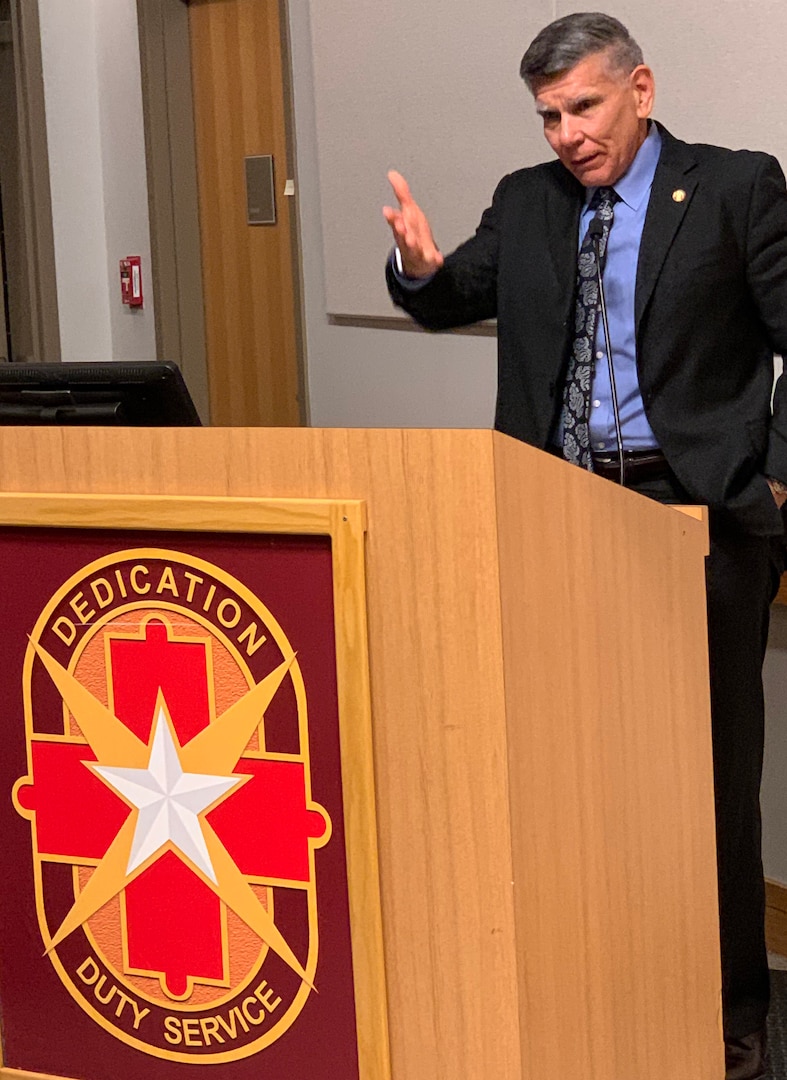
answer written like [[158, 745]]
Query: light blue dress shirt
[[620, 275]]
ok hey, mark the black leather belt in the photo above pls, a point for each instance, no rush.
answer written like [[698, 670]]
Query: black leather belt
[[638, 465]]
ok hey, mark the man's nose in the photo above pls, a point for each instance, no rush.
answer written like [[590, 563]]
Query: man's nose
[[571, 133]]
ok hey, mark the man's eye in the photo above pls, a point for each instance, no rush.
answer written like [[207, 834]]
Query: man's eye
[[550, 119]]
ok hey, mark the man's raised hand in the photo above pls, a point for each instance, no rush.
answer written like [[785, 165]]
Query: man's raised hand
[[413, 236]]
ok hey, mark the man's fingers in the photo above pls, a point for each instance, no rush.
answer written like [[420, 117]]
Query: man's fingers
[[411, 231], [401, 187], [404, 230], [409, 242], [396, 221]]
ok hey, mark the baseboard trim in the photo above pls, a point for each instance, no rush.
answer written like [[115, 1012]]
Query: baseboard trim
[[776, 917]]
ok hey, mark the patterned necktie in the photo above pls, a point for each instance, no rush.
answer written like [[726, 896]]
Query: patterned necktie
[[579, 377]]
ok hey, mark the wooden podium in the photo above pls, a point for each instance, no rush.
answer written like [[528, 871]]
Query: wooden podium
[[542, 755]]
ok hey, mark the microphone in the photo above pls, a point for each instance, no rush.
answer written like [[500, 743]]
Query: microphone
[[596, 231]]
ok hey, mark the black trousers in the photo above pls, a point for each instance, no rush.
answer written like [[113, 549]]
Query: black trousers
[[742, 575]]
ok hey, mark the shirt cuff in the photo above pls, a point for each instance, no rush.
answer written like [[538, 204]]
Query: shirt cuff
[[411, 284]]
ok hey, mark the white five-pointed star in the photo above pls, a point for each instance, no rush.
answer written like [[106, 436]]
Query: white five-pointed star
[[168, 800]]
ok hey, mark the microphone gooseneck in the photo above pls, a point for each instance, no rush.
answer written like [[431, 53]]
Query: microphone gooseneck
[[596, 231]]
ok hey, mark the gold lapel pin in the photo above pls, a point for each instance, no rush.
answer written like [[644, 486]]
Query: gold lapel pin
[[679, 195]]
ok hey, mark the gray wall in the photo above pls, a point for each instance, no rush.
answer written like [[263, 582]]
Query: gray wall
[[365, 377], [442, 103], [93, 95]]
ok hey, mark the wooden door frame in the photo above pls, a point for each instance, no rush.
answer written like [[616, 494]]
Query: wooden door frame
[[174, 221], [35, 184], [295, 216], [171, 167], [6, 351]]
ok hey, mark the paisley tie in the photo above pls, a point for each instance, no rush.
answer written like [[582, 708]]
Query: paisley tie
[[579, 377]]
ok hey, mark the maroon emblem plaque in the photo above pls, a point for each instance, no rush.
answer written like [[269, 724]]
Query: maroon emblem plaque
[[180, 883]]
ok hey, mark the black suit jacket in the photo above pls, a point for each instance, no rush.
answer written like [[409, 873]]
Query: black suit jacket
[[711, 309]]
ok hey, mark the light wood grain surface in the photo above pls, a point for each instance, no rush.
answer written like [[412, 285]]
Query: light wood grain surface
[[611, 777], [544, 812]]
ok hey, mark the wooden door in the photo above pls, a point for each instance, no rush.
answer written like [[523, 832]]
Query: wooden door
[[249, 280]]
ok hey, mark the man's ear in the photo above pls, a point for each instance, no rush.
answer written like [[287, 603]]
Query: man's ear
[[644, 86]]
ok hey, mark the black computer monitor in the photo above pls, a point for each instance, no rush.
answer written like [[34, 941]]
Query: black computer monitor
[[135, 394]]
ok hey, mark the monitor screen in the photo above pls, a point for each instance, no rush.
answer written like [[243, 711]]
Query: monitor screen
[[145, 393]]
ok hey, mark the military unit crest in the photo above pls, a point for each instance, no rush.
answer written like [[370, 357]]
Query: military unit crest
[[173, 841]]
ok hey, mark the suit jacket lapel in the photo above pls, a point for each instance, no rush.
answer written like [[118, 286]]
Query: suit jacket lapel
[[564, 201], [670, 196]]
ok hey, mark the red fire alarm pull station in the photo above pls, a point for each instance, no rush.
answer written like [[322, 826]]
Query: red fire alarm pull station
[[131, 280]]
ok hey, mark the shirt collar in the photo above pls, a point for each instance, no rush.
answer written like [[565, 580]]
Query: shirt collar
[[634, 185]]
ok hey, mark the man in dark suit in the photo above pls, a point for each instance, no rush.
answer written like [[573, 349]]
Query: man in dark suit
[[692, 242]]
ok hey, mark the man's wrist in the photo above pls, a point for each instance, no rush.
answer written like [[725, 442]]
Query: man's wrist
[[412, 284], [400, 269]]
